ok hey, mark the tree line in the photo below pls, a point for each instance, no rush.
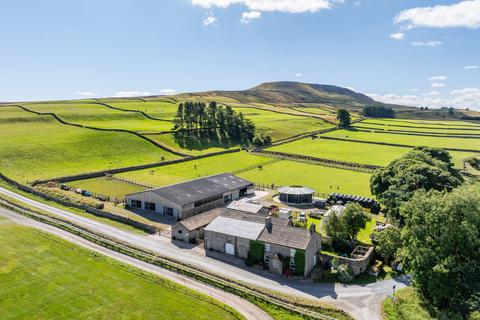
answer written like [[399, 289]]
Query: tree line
[[199, 119]]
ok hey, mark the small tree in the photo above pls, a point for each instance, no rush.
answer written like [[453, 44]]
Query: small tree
[[389, 241], [343, 118], [354, 218]]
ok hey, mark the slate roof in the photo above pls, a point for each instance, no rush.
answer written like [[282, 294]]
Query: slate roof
[[247, 216], [200, 220], [291, 237], [238, 228], [203, 188]]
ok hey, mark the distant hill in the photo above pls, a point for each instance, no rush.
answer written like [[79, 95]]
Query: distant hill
[[289, 92]]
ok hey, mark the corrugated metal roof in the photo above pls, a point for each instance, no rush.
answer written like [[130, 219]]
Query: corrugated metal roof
[[203, 188], [238, 228], [295, 190], [245, 206]]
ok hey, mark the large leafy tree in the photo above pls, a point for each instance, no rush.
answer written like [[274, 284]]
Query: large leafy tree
[[422, 168], [343, 118], [442, 247], [347, 225], [388, 242]]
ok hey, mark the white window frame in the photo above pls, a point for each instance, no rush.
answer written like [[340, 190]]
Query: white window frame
[[292, 253], [266, 260], [267, 247]]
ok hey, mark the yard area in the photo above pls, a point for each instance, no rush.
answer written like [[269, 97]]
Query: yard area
[[57, 150], [74, 282]]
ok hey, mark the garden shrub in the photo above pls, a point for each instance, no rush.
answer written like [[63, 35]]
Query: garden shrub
[[345, 273], [299, 262]]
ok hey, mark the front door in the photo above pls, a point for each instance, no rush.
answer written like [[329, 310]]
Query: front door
[[229, 249]]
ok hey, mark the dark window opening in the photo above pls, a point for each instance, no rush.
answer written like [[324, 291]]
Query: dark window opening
[[149, 206]]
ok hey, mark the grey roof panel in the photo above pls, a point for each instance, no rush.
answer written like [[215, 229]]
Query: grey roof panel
[[291, 237], [238, 228]]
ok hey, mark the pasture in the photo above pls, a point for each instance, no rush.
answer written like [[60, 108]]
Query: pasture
[[39, 147], [107, 187], [100, 116], [194, 147], [281, 126], [347, 151], [157, 109], [406, 139], [53, 279], [437, 130]]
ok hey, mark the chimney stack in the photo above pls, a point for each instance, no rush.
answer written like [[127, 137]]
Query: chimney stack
[[268, 224]]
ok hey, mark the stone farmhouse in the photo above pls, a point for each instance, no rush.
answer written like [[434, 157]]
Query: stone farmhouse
[[186, 199], [232, 232]]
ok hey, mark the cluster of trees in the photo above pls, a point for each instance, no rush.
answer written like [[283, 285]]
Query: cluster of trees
[[378, 112], [199, 119], [437, 236], [343, 228], [343, 118], [420, 169]]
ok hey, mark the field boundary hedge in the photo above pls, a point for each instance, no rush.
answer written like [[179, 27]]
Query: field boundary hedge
[[99, 213], [227, 285], [393, 144], [98, 174], [155, 143], [318, 161]]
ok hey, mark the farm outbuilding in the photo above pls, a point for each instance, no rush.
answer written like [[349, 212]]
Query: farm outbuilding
[[186, 199], [296, 195]]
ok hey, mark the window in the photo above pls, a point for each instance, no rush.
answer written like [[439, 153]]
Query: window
[[266, 259], [135, 203], [292, 253], [292, 264], [180, 231], [267, 247], [168, 211], [149, 206]]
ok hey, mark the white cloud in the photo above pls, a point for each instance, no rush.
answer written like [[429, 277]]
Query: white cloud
[[168, 91], [432, 93], [462, 14], [397, 36], [437, 78], [209, 21], [290, 6], [458, 98], [85, 93], [414, 90], [298, 75], [426, 43], [469, 67], [249, 16], [438, 85], [127, 94]]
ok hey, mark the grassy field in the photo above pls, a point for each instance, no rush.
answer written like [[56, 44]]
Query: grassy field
[[281, 126], [50, 278], [412, 140], [174, 173], [157, 109], [322, 179], [108, 187], [196, 148], [441, 125], [444, 130], [354, 151], [408, 306], [38, 147], [99, 116]]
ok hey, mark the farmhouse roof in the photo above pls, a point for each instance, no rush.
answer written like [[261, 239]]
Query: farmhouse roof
[[245, 206], [291, 237], [200, 220], [194, 190], [235, 227]]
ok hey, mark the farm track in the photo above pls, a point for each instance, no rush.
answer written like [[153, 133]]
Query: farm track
[[152, 258], [56, 117], [394, 144]]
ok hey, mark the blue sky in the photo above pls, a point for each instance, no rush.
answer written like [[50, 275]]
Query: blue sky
[[414, 52]]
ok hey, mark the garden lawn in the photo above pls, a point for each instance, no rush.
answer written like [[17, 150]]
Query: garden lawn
[[165, 175], [44, 277], [38, 147], [322, 179], [411, 140], [99, 116], [281, 126], [408, 306]]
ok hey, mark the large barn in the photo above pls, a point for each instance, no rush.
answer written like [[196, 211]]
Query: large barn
[[186, 199]]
